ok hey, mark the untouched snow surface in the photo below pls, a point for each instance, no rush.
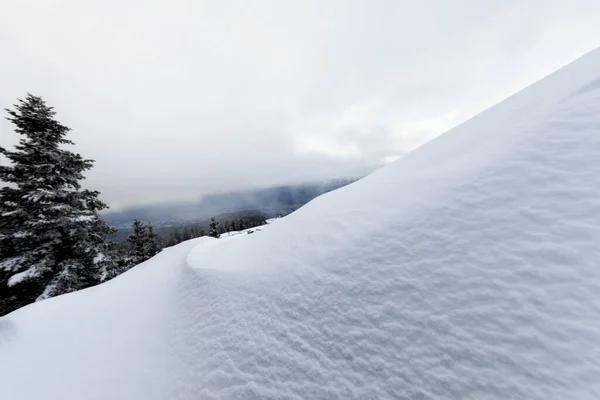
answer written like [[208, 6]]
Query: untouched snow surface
[[467, 269]]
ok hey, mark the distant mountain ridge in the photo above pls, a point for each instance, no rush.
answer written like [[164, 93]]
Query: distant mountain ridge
[[270, 201]]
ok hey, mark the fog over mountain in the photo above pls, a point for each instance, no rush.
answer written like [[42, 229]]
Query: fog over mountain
[[271, 202], [179, 99]]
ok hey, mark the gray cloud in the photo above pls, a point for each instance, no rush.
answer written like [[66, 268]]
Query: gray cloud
[[180, 98]]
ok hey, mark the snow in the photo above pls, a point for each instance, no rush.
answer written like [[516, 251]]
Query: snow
[[9, 264], [22, 276], [466, 269], [245, 231], [21, 234], [38, 194], [84, 218], [98, 258]]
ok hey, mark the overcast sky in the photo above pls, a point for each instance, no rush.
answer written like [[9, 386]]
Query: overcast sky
[[178, 98]]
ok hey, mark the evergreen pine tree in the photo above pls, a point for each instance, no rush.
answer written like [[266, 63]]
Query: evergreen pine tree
[[214, 229], [178, 236], [171, 241], [143, 242], [153, 245], [52, 240], [137, 241]]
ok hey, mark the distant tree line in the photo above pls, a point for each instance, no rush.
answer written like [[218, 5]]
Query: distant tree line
[[215, 229], [52, 239]]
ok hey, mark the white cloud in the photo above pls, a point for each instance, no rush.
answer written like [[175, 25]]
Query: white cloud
[[175, 99]]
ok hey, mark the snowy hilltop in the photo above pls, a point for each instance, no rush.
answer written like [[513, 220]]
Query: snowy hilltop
[[466, 269]]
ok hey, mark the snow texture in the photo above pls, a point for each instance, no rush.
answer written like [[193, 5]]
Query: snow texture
[[9, 264], [22, 276], [84, 218], [467, 269]]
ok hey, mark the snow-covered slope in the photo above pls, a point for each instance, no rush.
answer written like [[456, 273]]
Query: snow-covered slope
[[467, 269]]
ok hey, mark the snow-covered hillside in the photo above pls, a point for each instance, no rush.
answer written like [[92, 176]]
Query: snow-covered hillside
[[467, 269]]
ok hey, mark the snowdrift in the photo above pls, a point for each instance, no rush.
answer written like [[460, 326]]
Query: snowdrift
[[467, 269]]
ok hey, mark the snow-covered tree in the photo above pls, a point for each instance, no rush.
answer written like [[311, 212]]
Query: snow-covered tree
[[136, 242], [153, 246], [214, 228], [52, 240], [144, 243]]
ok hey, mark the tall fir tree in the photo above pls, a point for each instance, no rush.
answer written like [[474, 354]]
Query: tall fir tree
[[187, 233], [154, 244], [214, 228], [52, 240], [172, 240], [143, 243], [136, 241]]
